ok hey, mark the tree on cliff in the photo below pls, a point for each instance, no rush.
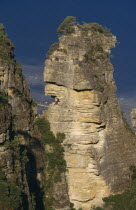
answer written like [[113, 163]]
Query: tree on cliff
[[6, 46], [10, 193], [66, 27], [124, 201]]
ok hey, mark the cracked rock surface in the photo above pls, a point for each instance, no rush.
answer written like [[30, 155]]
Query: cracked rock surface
[[99, 148]]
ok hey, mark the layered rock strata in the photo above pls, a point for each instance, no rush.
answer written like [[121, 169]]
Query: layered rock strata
[[99, 148]]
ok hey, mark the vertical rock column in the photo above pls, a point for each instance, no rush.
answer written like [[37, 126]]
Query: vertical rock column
[[80, 75]]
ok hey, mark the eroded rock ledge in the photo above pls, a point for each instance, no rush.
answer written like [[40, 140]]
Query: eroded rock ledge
[[99, 148]]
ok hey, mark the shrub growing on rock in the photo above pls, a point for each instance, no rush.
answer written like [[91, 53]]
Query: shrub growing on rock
[[66, 27], [126, 200], [10, 194]]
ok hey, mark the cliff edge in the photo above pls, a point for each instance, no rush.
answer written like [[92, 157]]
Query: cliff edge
[[99, 147], [21, 158]]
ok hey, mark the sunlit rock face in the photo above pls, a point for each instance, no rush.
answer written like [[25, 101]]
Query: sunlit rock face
[[133, 117], [98, 147]]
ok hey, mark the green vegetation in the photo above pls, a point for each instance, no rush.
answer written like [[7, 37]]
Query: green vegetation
[[7, 51], [54, 150], [66, 27], [54, 156], [72, 206], [99, 28], [10, 194], [53, 47], [19, 155], [34, 103], [3, 99], [96, 28], [124, 201], [6, 47], [95, 53], [18, 68]]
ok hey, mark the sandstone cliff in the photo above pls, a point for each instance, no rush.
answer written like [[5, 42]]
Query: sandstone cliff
[[21, 158], [133, 117], [99, 147]]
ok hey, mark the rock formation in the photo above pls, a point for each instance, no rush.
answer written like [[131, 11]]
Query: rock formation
[[99, 147], [21, 158], [133, 117]]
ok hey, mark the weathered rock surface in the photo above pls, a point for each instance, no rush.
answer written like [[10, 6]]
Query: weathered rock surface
[[99, 148], [20, 149], [133, 117]]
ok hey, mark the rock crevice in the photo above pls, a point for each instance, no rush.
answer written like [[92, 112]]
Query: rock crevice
[[99, 149]]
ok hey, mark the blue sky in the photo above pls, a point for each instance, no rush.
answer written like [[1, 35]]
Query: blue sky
[[32, 25]]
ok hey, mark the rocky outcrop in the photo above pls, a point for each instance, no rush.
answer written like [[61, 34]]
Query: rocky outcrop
[[21, 158], [99, 148], [133, 117]]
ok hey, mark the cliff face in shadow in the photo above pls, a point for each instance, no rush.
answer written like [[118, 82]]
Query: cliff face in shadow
[[21, 158], [99, 147]]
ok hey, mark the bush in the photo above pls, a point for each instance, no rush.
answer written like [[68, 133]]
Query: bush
[[53, 47], [126, 200], [98, 28], [95, 53], [3, 101], [72, 206], [94, 27], [18, 68], [66, 27], [6, 47], [34, 103], [10, 194], [54, 155], [3, 98]]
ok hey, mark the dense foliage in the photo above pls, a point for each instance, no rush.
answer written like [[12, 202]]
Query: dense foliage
[[10, 194], [6, 46], [54, 156], [99, 28], [94, 27], [4, 105], [3, 99], [66, 27], [124, 201], [34, 103]]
